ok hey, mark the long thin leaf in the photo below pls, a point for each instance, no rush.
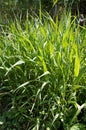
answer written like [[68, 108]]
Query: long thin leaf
[[14, 65]]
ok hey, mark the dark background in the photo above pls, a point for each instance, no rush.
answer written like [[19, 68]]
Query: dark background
[[10, 7]]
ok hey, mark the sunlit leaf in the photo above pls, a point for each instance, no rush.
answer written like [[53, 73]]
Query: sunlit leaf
[[77, 127], [77, 64], [55, 2], [14, 65]]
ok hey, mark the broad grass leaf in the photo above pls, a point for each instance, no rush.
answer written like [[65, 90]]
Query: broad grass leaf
[[38, 94], [59, 56], [44, 74], [77, 65], [14, 65], [51, 50], [42, 30], [40, 90], [22, 85], [43, 63], [44, 66], [65, 39], [30, 43], [82, 71], [55, 2], [71, 55]]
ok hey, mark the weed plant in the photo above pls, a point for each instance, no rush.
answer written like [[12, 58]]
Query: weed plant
[[43, 75]]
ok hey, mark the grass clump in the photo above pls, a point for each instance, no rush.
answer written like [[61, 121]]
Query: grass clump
[[42, 75]]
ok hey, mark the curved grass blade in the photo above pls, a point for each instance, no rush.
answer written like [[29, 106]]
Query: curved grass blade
[[14, 65]]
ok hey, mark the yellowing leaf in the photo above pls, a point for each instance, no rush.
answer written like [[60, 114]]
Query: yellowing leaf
[[71, 55], [77, 65], [51, 50], [43, 63]]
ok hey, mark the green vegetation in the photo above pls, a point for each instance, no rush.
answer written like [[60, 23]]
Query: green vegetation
[[43, 75]]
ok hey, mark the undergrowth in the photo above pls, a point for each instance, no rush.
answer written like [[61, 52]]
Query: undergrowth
[[42, 75]]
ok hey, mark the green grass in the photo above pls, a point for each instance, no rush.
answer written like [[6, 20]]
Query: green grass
[[43, 75]]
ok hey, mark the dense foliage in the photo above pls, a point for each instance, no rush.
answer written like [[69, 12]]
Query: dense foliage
[[43, 75], [24, 5], [42, 65]]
